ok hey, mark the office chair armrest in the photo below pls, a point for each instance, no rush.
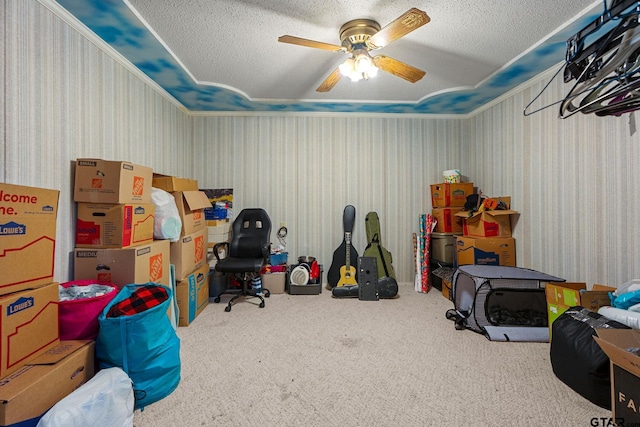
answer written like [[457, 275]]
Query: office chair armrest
[[266, 252], [218, 246]]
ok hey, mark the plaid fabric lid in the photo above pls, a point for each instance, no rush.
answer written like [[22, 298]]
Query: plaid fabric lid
[[140, 300]]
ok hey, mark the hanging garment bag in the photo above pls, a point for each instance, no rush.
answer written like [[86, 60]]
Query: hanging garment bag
[[136, 335]]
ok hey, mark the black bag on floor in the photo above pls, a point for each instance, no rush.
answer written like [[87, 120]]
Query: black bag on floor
[[576, 358]]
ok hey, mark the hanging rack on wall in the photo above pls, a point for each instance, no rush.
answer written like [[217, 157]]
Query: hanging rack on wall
[[606, 72]]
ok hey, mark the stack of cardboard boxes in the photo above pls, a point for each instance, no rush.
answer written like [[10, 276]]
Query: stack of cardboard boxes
[[447, 200], [189, 253], [36, 369], [486, 236], [114, 226]]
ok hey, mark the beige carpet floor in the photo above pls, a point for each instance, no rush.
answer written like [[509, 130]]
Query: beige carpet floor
[[312, 360]]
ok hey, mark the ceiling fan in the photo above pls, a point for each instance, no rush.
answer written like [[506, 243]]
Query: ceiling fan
[[360, 36]]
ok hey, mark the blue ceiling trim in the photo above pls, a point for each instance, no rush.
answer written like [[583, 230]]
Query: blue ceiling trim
[[117, 25]]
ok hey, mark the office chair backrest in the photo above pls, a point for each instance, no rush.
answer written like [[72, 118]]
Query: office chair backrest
[[251, 234]]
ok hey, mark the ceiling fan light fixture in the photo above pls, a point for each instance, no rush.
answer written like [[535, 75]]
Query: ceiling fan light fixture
[[347, 67], [363, 63], [359, 66]]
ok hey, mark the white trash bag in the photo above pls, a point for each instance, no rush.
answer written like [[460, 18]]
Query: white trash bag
[[106, 400], [167, 224]]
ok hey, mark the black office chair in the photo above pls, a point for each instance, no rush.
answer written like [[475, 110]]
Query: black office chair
[[247, 253]]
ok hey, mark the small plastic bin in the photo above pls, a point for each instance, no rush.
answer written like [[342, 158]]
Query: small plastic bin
[[278, 258], [308, 289]]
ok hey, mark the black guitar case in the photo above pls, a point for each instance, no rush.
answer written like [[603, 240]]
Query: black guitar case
[[340, 254], [387, 284]]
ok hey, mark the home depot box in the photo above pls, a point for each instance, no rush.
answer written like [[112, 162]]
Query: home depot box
[[27, 236], [622, 346], [174, 183], [489, 223], [447, 221], [486, 251], [449, 194], [189, 253], [28, 393], [561, 296], [108, 181], [28, 326], [192, 295], [136, 264], [114, 226], [191, 206]]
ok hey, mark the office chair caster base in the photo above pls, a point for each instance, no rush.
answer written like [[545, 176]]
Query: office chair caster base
[[217, 300], [227, 308]]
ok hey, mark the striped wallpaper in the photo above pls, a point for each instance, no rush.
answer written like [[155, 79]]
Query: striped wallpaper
[[573, 181]]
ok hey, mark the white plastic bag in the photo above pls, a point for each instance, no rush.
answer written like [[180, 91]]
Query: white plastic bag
[[167, 224], [106, 400]]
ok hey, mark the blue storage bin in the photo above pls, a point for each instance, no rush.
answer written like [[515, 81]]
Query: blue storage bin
[[278, 259]]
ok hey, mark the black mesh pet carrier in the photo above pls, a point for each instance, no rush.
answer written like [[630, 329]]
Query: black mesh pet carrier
[[503, 303]]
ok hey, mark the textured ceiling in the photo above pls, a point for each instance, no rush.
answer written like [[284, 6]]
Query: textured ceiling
[[222, 55]]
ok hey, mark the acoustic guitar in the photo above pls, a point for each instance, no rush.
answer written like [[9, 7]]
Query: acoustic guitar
[[347, 271], [341, 272]]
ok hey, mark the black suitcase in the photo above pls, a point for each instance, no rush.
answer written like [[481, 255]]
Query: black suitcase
[[576, 358]]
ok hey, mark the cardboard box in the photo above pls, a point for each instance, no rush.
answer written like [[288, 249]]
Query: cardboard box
[[191, 206], [447, 194], [489, 223], [174, 183], [136, 264], [221, 232], [114, 226], [28, 326], [447, 289], [448, 222], [107, 181], [621, 345], [192, 295], [275, 282], [561, 296], [189, 253], [27, 236], [28, 393], [486, 251]]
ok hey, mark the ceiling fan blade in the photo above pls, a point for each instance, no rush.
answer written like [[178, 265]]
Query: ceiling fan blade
[[310, 43], [330, 81], [398, 68], [411, 20]]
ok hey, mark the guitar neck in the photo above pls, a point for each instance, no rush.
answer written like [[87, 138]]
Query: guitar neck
[[347, 239]]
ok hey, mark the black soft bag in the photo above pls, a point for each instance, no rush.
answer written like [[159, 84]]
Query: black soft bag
[[576, 358]]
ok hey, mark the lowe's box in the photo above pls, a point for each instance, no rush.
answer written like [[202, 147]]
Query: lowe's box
[[28, 326], [189, 253], [136, 264], [192, 295], [191, 205], [114, 226], [28, 393], [108, 181], [27, 236], [485, 251], [623, 348]]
